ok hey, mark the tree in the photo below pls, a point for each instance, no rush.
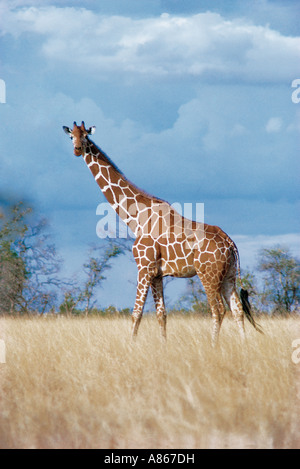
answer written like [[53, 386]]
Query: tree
[[13, 272], [281, 277], [249, 283], [12, 277], [98, 262], [94, 269], [28, 262], [43, 266], [195, 298]]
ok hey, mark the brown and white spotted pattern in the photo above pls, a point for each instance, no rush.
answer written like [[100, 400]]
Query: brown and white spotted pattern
[[166, 243]]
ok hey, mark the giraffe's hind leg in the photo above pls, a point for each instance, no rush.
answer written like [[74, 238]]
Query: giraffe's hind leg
[[218, 312], [157, 291], [217, 307], [232, 299]]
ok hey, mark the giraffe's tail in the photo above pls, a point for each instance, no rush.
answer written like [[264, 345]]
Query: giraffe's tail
[[247, 310], [244, 295]]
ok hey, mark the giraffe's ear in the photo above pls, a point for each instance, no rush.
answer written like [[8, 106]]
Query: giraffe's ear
[[67, 130], [91, 130]]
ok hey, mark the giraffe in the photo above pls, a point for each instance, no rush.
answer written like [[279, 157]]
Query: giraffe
[[167, 244]]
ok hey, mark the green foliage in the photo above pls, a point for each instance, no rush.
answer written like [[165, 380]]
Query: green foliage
[[13, 272], [111, 311], [69, 304], [28, 262], [98, 262], [12, 277], [281, 279], [194, 299]]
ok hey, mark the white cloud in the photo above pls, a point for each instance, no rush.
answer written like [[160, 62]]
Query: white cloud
[[238, 130], [274, 125], [201, 44]]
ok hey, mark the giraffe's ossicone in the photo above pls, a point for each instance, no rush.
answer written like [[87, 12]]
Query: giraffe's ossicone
[[167, 244]]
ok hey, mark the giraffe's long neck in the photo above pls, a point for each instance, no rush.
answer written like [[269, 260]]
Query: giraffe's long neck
[[125, 198]]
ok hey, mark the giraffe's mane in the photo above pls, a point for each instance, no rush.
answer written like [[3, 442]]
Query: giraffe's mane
[[117, 170]]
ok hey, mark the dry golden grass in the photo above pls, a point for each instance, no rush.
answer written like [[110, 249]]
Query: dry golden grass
[[81, 383]]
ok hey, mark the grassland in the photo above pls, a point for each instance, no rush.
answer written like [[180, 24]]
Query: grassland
[[81, 383]]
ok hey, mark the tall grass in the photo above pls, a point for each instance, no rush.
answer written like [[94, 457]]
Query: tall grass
[[81, 383]]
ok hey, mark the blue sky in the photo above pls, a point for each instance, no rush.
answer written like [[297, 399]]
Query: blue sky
[[191, 99]]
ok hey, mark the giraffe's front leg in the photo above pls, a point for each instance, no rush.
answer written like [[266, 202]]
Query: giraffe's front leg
[[141, 295], [158, 295]]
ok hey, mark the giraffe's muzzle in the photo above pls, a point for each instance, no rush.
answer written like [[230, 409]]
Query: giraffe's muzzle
[[78, 151]]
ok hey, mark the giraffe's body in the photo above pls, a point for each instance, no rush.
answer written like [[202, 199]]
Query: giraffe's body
[[166, 244]]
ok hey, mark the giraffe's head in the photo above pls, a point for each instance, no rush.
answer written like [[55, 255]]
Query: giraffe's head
[[79, 137]]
